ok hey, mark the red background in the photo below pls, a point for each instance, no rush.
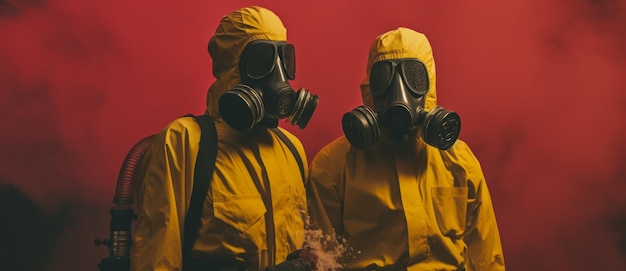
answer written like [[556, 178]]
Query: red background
[[539, 85]]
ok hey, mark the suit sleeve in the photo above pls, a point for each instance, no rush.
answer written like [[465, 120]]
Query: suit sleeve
[[482, 235], [162, 199], [324, 191]]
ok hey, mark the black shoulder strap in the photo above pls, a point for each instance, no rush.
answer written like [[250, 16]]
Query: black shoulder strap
[[293, 150], [205, 164]]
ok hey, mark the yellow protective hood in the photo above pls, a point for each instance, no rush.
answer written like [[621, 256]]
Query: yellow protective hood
[[232, 35], [401, 43]]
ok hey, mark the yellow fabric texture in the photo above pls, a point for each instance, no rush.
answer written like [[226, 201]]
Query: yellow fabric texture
[[405, 206], [256, 187]]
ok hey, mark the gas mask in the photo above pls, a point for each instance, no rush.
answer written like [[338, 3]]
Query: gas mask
[[264, 95], [399, 90]]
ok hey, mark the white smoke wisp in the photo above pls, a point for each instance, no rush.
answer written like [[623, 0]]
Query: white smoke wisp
[[331, 250]]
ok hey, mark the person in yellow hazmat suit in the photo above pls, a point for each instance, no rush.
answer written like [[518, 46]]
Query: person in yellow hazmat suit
[[399, 188], [254, 210]]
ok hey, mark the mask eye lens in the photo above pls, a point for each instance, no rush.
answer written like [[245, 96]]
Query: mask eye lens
[[259, 61], [288, 56], [380, 77], [415, 76]]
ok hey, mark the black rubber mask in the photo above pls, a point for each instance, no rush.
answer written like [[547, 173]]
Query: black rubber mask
[[399, 89], [265, 95]]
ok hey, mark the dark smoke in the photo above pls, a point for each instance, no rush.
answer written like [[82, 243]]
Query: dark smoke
[[539, 86], [28, 235], [7, 9]]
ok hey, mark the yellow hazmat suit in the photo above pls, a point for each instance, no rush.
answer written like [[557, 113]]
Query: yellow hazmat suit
[[254, 209], [405, 206]]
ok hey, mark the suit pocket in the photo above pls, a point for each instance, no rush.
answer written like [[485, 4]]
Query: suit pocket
[[450, 205], [240, 213]]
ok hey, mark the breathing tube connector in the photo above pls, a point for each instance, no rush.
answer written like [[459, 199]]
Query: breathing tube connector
[[122, 214]]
